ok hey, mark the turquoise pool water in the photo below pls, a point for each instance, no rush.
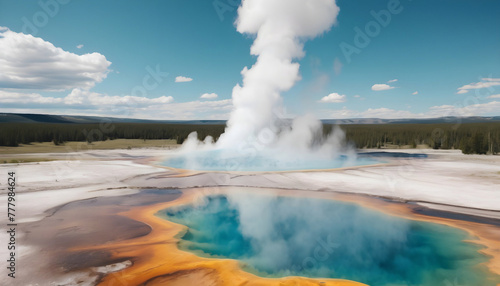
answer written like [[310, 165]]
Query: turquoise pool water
[[283, 236], [227, 160]]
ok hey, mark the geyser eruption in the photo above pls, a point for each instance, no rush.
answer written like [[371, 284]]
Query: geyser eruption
[[256, 137], [280, 28]]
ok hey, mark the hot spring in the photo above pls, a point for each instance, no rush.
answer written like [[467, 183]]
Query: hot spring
[[218, 160], [275, 236], [224, 160]]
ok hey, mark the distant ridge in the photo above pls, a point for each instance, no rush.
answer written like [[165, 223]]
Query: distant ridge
[[26, 118], [448, 119], [75, 119]]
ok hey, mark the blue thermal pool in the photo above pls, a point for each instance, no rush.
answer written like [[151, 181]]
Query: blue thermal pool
[[218, 160], [283, 236]]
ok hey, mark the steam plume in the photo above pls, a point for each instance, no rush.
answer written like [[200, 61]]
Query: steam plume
[[280, 28], [255, 133]]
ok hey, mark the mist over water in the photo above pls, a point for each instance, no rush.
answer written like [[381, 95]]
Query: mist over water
[[256, 126], [282, 236]]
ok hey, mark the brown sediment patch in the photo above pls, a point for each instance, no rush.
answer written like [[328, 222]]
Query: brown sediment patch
[[182, 278], [83, 223], [158, 260]]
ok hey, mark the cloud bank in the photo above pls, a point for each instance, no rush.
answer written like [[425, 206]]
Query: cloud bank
[[484, 83], [28, 62], [479, 109], [84, 102]]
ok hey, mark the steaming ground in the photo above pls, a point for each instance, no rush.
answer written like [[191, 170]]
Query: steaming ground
[[446, 177]]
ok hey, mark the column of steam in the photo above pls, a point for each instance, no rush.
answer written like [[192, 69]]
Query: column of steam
[[280, 28]]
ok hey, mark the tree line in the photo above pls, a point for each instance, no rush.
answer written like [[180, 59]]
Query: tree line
[[471, 138], [13, 134]]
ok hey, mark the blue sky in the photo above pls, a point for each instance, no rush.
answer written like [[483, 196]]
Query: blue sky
[[431, 59]]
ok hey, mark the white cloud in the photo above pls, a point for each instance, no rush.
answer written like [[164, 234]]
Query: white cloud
[[85, 97], [84, 102], [78, 96], [209, 96], [82, 98], [387, 113], [357, 96], [26, 98], [341, 113], [381, 86], [494, 96], [79, 46], [28, 62], [415, 93], [183, 79], [383, 113], [333, 98], [484, 83], [471, 110], [214, 109], [480, 109]]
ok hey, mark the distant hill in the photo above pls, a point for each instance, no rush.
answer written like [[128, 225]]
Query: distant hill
[[32, 118], [449, 119], [45, 118]]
